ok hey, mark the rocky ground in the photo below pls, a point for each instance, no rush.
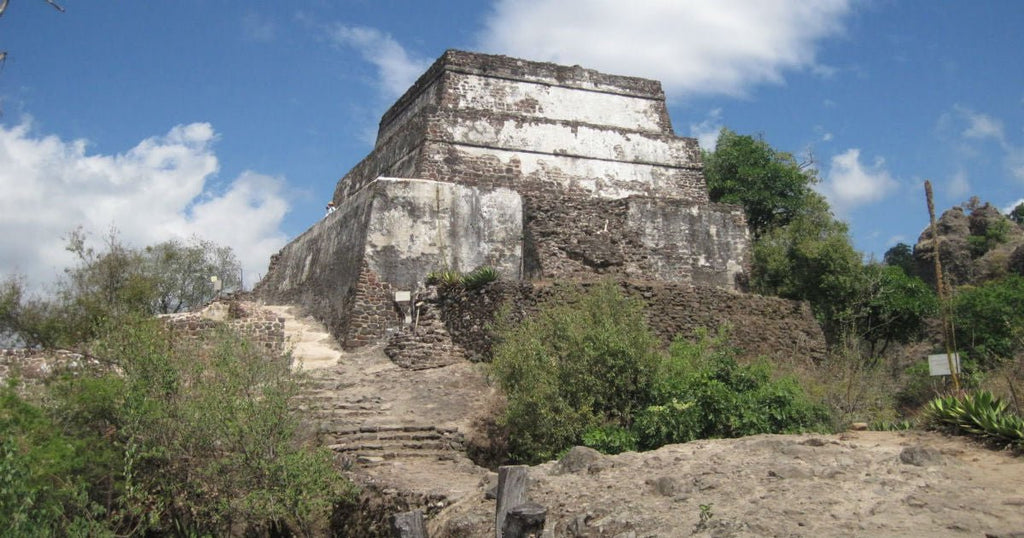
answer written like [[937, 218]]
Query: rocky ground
[[402, 433]]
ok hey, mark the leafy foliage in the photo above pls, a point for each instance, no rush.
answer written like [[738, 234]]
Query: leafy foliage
[[772, 186], [112, 282], [810, 259], [889, 306], [990, 320], [182, 271], [586, 369], [480, 277], [1017, 214], [186, 437], [472, 280], [901, 255], [704, 393], [165, 436], [582, 362]]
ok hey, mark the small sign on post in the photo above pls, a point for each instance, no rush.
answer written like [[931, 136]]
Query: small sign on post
[[939, 364]]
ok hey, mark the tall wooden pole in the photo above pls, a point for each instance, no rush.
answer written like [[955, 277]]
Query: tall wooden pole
[[940, 287]]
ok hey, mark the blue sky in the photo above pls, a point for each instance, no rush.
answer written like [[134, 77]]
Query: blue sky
[[234, 120]]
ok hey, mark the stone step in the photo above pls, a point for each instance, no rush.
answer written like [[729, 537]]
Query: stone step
[[410, 446], [380, 456], [393, 429], [396, 438]]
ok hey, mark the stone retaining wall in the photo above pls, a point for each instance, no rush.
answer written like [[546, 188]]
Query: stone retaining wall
[[758, 325], [248, 320]]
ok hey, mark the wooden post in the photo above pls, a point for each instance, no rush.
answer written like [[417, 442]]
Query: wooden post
[[524, 521], [511, 493], [940, 288], [408, 525]]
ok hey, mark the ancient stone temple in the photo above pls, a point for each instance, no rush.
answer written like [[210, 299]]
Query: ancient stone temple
[[545, 172]]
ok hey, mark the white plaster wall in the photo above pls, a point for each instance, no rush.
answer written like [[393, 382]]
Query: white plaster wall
[[559, 103], [418, 226], [574, 140], [605, 179]]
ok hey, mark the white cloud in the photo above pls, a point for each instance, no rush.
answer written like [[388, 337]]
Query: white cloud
[[692, 46], [1012, 205], [973, 128], [158, 190], [982, 126], [850, 183], [706, 132], [396, 69]]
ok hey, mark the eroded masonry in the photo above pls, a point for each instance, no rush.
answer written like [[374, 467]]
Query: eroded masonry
[[544, 172]]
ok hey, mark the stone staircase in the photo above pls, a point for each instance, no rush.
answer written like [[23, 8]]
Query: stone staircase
[[361, 429], [369, 410]]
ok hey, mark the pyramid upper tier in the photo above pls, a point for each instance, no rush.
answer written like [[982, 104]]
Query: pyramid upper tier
[[484, 120]]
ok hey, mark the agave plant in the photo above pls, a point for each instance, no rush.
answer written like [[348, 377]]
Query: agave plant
[[480, 276], [981, 414], [446, 278]]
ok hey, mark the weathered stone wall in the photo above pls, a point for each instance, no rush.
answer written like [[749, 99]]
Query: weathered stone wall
[[758, 325], [578, 237], [497, 121], [320, 269], [261, 327], [33, 366], [387, 238]]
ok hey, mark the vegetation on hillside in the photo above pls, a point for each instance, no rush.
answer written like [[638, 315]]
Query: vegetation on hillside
[[586, 369], [150, 435]]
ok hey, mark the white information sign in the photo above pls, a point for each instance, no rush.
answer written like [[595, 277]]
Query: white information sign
[[939, 364], [403, 296]]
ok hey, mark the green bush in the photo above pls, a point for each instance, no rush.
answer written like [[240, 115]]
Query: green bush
[[704, 393], [45, 474], [586, 370], [180, 438], [610, 439], [584, 361]]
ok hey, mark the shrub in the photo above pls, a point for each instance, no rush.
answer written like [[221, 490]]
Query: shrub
[[704, 393], [185, 439], [610, 439], [584, 361]]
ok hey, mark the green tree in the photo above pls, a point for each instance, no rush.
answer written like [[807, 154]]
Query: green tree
[[1017, 214], [810, 258], [181, 273], [890, 306], [989, 320], [772, 186], [112, 281], [900, 255]]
